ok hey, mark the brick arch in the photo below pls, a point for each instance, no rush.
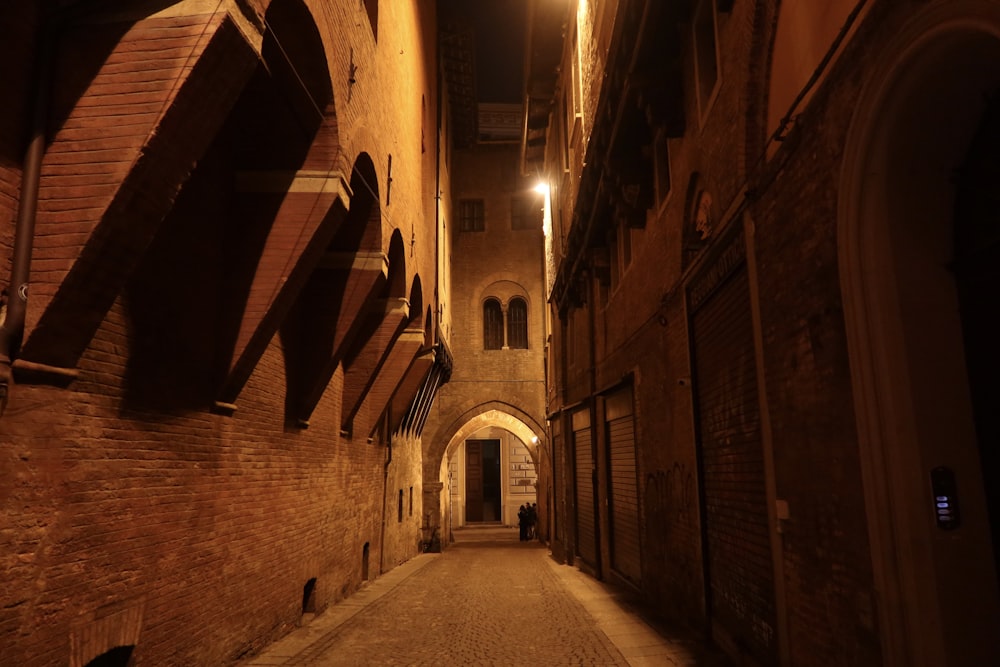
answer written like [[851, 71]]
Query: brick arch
[[492, 413], [504, 290], [417, 305], [496, 418], [915, 123], [396, 281], [281, 147], [483, 285], [133, 170], [765, 19], [334, 315]]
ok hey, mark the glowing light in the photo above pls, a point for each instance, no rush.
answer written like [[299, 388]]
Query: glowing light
[[542, 188]]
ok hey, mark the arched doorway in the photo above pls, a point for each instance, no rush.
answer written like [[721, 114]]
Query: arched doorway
[[914, 226], [513, 449]]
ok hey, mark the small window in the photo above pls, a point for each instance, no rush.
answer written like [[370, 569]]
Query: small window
[[706, 59], [399, 509], [119, 656], [661, 160], [625, 243], [411, 501], [517, 324], [471, 216], [309, 597], [492, 325], [526, 212]]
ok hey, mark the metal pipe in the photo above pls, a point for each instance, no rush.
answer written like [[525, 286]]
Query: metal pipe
[[12, 326]]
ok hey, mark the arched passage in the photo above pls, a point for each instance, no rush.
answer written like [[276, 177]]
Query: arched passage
[[910, 191], [497, 438]]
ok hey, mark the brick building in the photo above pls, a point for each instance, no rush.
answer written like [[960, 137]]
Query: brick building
[[214, 392], [288, 294], [496, 395], [773, 257]]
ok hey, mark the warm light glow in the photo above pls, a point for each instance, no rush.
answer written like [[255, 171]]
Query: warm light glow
[[542, 188], [534, 439]]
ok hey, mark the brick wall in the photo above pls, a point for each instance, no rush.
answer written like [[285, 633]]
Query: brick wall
[[129, 511], [642, 332], [501, 263]]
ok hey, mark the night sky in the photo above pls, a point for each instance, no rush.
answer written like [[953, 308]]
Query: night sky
[[499, 27]]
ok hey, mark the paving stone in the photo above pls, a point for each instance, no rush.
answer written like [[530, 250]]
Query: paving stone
[[487, 600]]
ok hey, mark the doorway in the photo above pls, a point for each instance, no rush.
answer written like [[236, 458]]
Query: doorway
[[917, 260], [482, 480]]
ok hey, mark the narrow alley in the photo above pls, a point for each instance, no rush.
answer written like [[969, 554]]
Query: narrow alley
[[488, 600]]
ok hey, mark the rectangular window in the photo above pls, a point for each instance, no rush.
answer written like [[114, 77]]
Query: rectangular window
[[517, 324], [661, 164], [526, 212], [492, 325], [471, 215], [564, 127], [625, 243], [706, 58]]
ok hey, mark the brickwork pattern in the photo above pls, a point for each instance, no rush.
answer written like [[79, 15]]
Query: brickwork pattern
[[124, 497], [497, 262], [642, 332]]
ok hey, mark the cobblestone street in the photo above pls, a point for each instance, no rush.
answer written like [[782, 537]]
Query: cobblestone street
[[487, 600]]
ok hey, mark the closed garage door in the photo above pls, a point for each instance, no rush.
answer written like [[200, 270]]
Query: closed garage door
[[740, 574], [624, 502], [583, 467]]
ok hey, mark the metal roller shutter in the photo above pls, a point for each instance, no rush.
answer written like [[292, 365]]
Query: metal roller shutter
[[583, 466], [624, 505], [738, 549]]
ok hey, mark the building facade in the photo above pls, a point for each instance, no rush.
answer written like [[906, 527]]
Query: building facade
[[230, 216], [487, 428], [771, 261]]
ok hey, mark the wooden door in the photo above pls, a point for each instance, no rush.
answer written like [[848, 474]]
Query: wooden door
[[473, 480]]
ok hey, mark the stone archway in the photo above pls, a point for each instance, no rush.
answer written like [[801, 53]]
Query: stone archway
[[446, 489], [912, 130]]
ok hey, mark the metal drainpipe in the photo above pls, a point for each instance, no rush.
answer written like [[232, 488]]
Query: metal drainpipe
[[12, 326], [385, 499]]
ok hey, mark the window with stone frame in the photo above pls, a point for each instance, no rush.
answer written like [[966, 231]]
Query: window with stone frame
[[471, 215], [517, 324], [492, 325]]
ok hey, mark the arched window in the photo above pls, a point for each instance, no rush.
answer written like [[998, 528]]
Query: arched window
[[492, 325], [517, 324]]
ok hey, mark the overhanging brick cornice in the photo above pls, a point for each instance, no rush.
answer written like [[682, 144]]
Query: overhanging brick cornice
[[335, 312], [361, 372], [296, 245], [302, 181], [106, 189], [406, 346], [412, 382]]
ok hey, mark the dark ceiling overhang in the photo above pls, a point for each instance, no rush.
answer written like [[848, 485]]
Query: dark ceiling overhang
[[458, 63], [543, 51]]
